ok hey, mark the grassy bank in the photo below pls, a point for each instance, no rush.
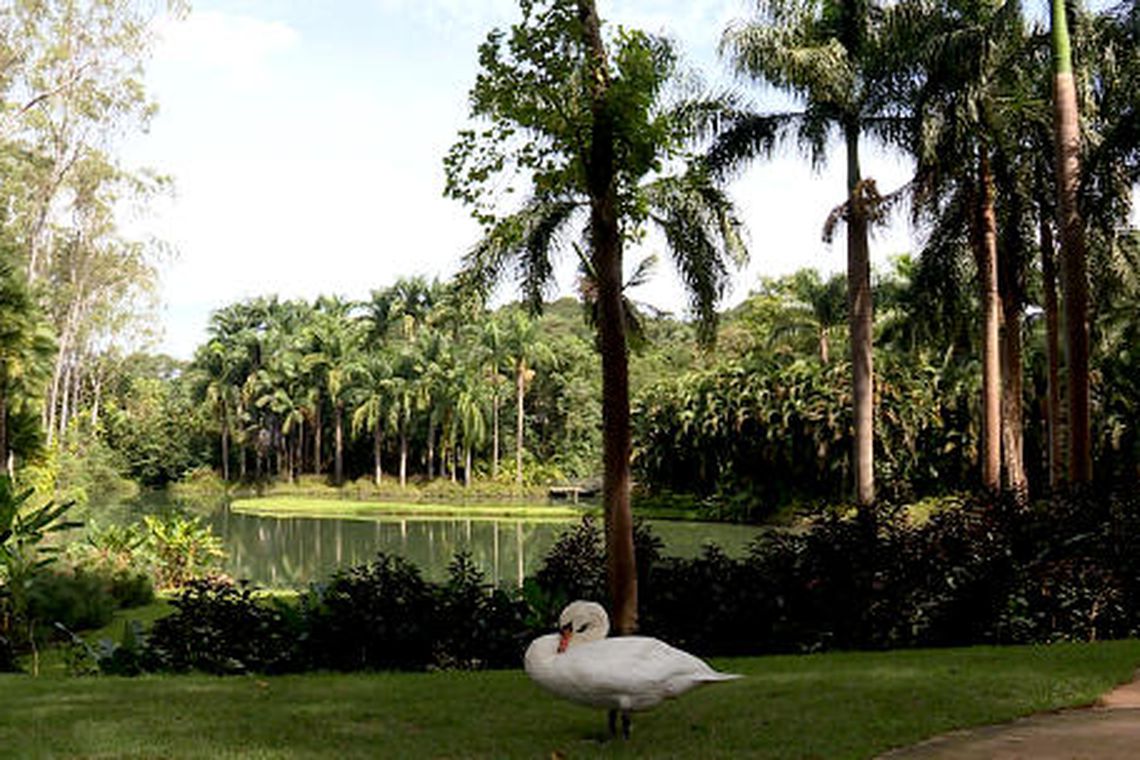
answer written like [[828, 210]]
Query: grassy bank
[[846, 705], [308, 506]]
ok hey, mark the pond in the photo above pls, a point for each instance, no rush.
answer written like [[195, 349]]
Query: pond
[[291, 552]]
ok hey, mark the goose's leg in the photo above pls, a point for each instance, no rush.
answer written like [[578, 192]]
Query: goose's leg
[[625, 721], [613, 723]]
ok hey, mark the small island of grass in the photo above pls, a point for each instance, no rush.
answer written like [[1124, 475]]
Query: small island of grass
[[308, 506]]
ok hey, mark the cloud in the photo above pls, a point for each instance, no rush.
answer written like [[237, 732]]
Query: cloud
[[239, 48]]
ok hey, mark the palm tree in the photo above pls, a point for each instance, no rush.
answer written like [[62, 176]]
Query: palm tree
[[842, 59], [496, 358], [971, 53], [590, 129], [374, 392], [812, 306], [334, 337], [526, 350]]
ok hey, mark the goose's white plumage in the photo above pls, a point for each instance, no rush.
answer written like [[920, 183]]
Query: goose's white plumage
[[623, 674]]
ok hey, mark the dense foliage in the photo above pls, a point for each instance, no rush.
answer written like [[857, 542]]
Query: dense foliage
[[973, 571], [757, 434]]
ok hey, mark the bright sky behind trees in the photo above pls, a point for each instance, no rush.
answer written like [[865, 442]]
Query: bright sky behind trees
[[306, 142]]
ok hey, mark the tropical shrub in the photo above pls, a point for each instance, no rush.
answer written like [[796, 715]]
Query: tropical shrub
[[75, 598], [24, 555], [221, 627], [375, 616], [476, 625], [182, 549]]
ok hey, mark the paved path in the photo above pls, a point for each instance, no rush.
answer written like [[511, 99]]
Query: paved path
[[1110, 730]]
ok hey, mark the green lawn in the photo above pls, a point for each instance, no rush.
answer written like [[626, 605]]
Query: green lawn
[[846, 705], [309, 506]]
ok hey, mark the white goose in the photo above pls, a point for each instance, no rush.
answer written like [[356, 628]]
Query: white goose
[[623, 674]]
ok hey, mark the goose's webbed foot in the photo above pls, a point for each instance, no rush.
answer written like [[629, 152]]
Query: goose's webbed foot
[[625, 723]]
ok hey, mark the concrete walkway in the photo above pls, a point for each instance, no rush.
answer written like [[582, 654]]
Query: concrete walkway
[[1109, 730]]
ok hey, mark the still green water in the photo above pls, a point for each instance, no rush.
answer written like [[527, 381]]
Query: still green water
[[291, 552]]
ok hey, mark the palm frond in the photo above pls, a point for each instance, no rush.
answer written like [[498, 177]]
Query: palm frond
[[704, 237], [531, 238]]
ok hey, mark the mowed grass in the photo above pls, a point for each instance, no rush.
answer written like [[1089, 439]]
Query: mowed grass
[[308, 506], [846, 705]]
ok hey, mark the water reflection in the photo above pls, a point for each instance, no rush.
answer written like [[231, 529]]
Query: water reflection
[[291, 552]]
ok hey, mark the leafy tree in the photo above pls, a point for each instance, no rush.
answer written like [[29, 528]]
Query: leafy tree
[[26, 351], [585, 122]]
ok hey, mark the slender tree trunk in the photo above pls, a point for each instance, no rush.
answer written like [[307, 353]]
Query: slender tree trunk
[[338, 437], [225, 444], [1052, 356], [520, 391], [495, 435], [96, 399], [65, 397], [991, 315], [1066, 124], [377, 449], [430, 450], [467, 466], [317, 438], [861, 319], [824, 346], [4, 413], [1011, 296], [606, 244], [1013, 442], [403, 455]]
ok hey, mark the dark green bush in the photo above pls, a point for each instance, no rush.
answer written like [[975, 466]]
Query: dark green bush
[[221, 627], [77, 599], [476, 625], [8, 662], [984, 571], [371, 617]]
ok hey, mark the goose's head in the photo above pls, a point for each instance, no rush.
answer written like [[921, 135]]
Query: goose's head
[[581, 622]]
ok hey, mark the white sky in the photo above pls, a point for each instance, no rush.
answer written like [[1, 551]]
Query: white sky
[[306, 139]]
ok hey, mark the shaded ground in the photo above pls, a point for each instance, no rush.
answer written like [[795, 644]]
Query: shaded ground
[[1108, 730]]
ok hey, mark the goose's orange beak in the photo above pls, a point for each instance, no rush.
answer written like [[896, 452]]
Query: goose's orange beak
[[566, 631]]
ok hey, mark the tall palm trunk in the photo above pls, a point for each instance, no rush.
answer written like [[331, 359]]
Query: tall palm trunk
[[860, 316], [338, 441], [605, 239], [1052, 355], [317, 437], [377, 448], [495, 435], [520, 393], [986, 255], [225, 444], [1013, 442], [1066, 124], [1011, 295], [403, 454]]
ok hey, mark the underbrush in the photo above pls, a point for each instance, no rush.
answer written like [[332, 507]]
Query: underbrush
[[979, 572]]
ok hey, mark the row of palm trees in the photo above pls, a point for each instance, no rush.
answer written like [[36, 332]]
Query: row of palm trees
[[411, 365]]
